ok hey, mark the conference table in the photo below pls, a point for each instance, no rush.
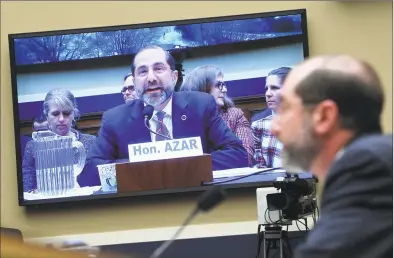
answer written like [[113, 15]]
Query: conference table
[[230, 178]]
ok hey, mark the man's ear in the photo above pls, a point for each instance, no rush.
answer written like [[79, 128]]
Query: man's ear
[[325, 117], [175, 75]]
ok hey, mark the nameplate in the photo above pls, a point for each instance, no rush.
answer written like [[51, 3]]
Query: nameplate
[[179, 148]]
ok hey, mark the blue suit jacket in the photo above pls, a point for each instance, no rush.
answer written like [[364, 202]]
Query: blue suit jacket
[[124, 125]]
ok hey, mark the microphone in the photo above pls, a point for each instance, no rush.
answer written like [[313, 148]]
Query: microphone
[[205, 202], [147, 112]]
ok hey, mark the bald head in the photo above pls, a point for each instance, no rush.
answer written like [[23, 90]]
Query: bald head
[[341, 64], [352, 84]]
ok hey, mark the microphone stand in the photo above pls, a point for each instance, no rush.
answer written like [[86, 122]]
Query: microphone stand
[[205, 202], [159, 251]]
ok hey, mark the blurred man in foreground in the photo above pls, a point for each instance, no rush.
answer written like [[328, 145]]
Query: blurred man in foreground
[[329, 122]]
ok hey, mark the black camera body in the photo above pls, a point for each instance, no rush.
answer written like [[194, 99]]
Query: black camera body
[[297, 198]]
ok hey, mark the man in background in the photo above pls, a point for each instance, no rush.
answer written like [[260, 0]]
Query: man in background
[[128, 89], [329, 122], [267, 148], [40, 123], [273, 83], [176, 115]]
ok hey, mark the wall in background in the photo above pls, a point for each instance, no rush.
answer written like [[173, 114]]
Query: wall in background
[[236, 65], [98, 89], [361, 29]]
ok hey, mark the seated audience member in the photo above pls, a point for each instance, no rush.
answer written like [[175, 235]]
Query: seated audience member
[[209, 79], [128, 89], [40, 123], [60, 109], [271, 77], [267, 148], [176, 114], [329, 123]]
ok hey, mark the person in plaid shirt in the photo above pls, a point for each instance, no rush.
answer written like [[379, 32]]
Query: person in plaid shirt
[[267, 148], [209, 79]]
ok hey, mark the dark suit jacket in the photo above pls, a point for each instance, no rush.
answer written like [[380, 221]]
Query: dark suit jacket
[[124, 125], [266, 112], [357, 204]]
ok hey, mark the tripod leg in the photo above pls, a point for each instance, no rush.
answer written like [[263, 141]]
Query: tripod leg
[[267, 252], [281, 247], [286, 245], [260, 237], [289, 249], [264, 247], [285, 250]]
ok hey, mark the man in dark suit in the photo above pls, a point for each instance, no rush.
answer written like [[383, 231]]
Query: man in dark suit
[[329, 123], [177, 115]]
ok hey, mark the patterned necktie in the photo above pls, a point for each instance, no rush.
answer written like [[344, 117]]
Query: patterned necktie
[[161, 127]]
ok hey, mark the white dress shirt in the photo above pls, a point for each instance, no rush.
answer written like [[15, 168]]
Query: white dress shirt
[[153, 122]]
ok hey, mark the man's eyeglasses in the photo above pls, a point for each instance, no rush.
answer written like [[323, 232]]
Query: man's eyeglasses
[[130, 88], [221, 86], [157, 69]]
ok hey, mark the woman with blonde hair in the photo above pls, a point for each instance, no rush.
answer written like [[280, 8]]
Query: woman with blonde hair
[[61, 111], [209, 79]]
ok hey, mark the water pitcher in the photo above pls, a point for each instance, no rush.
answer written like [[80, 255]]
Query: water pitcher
[[58, 160]]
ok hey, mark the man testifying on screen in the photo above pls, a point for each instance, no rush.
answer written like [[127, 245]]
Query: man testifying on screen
[[329, 123], [176, 115]]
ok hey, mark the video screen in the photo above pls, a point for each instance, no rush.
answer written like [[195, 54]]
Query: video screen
[[88, 99]]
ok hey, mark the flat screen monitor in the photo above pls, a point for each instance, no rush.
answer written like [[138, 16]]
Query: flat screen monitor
[[76, 84]]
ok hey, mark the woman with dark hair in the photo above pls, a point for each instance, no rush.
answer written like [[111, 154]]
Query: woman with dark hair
[[60, 110], [209, 79]]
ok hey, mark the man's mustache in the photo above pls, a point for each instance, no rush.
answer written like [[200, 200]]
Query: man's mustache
[[149, 87]]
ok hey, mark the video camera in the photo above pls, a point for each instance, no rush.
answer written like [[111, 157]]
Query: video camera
[[297, 198]]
